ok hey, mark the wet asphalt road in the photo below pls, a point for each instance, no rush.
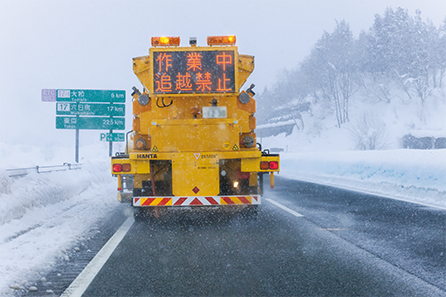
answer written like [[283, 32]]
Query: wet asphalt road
[[346, 244]]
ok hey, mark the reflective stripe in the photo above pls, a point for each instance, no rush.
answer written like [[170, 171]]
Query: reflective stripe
[[154, 201], [195, 201], [236, 200]]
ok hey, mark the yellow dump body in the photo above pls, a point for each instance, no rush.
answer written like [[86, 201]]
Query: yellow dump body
[[193, 140]]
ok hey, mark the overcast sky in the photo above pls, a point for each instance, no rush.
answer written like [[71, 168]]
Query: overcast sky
[[90, 45]]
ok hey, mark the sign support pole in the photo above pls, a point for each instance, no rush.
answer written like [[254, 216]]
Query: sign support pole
[[110, 146], [77, 146]]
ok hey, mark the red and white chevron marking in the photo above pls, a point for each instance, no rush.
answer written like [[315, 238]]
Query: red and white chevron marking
[[196, 200], [179, 201]]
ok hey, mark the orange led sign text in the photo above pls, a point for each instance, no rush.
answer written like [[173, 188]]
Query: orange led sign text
[[193, 72], [194, 61]]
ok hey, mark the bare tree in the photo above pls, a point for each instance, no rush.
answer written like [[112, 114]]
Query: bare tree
[[369, 132]]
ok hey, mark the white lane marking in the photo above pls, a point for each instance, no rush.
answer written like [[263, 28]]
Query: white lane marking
[[83, 280], [285, 208]]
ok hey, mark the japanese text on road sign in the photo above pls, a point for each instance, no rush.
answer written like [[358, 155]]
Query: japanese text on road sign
[[90, 96]]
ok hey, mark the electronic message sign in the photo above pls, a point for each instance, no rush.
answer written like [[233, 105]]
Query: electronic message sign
[[193, 72]]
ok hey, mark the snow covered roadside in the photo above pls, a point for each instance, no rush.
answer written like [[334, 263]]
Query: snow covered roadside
[[44, 215], [412, 175]]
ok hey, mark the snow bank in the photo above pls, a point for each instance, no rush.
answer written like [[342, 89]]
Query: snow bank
[[18, 195], [44, 215], [414, 175]]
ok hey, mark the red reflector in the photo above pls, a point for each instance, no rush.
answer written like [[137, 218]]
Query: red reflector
[[119, 189], [117, 167], [273, 165], [264, 165], [126, 167]]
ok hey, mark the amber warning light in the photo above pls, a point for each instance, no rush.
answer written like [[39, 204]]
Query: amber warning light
[[165, 41], [221, 40]]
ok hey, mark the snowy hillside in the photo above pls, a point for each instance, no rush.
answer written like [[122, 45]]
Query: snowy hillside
[[376, 90], [324, 153], [397, 118]]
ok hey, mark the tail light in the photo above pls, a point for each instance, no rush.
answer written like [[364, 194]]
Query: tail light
[[273, 165], [117, 167], [265, 165], [122, 167]]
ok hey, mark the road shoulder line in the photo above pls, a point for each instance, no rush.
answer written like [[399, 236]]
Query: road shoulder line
[[83, 280], [294, 213]]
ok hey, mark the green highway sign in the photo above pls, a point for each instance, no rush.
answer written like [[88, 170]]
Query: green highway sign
[[113, 137], [90, 96], [91, 109], [91, 123]]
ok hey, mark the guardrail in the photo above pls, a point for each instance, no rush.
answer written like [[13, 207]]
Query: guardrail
[[43, 169]]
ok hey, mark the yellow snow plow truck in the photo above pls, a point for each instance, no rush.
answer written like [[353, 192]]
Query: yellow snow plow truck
[[193, 141]]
